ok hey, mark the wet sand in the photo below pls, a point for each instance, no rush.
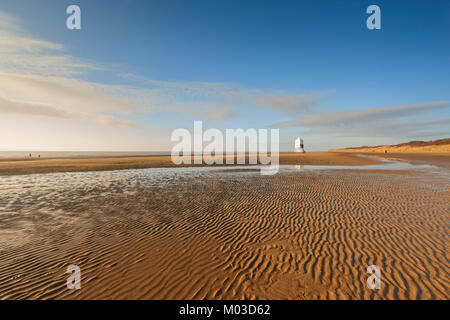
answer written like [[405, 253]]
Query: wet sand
[[204, 233], [16, 166], [435, 159]]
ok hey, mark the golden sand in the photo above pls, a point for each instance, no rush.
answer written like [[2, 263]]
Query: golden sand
[[100, 163], [437, 146], [295, 235]]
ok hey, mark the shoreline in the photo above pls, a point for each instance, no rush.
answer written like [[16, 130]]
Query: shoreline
[[441, 159], [20, 166]]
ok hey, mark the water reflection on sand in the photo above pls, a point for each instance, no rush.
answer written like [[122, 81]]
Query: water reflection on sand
[[226, 233]]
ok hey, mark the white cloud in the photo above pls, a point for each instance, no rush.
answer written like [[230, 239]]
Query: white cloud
[[20, 53], [67, 93], [108, 120], [218, 101], [38, 78], [30, 109], [394, 123], [37, 71], [9, 22], [364, 116], [285, 104], [34, 81], [401, 130]]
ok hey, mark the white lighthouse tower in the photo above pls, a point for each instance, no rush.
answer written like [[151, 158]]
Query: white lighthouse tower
[[299, 145]]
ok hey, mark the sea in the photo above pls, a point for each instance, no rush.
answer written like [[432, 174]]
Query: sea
[[54, 154]]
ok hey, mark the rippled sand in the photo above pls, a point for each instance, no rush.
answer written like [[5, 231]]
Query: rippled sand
[[195, 233]]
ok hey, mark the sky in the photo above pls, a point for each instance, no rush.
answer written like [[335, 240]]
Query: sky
[[137, 70]]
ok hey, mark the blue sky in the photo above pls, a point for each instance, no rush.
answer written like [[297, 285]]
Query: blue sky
[[159, 65]]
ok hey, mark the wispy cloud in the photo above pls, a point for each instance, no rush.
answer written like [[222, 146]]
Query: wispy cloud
[[384, 122], [31, 109], [20, 53], [364, 116], [68, 93], [9, 22], [108, 120], [39, 78], [218, 101], [413, 129], [284, 104], [38, 71]]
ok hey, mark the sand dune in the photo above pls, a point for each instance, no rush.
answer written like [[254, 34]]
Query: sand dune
[[438, 146], [299, 235]]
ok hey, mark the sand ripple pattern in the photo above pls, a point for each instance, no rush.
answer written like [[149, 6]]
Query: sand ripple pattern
[[218, 235]]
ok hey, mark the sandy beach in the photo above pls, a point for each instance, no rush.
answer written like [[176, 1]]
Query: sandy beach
[[218, 233], [14, 166], [441, 146], [331, 118]]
